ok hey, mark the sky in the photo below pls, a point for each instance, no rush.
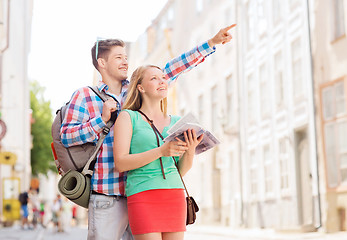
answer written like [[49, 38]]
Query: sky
[[64, 31]]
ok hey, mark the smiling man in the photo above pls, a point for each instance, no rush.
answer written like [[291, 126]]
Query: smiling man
[[87, 114]]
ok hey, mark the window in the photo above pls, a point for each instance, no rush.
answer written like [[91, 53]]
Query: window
[[338, 23], [229, 100], [331, 159], [268, 170], [342, 149], [294, 4], [334, 110], [250, 23], [279, 81], [276, 11], [251, 98], [170, 14], [228, 16], [262, 22], [264, 90], [336, 152], [1, 56], [297, 68], [253, 173], [199, 5], [340, 98], [214, 108], [4, 25], [334, 100], [201, 108], [229, 19], [162, 28], [284, 163], [143, 44], [328, 99]]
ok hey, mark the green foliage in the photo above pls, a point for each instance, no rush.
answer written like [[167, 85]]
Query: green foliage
[[41, 154]]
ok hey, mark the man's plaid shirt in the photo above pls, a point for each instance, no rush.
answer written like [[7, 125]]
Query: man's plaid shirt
[[83, 122]]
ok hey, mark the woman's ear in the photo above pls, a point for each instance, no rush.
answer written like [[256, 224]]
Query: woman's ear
[[140, 88]]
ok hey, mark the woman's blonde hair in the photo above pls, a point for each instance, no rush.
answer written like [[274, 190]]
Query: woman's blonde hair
[[133, 100]]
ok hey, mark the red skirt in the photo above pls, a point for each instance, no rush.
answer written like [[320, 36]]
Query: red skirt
[[159, 210]]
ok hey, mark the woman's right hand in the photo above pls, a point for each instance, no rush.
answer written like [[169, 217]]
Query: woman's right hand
[[173, 148]]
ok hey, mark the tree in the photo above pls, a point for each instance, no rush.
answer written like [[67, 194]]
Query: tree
[[41, 154]]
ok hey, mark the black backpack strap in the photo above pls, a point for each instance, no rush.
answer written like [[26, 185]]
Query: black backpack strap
[[156, 131], [89, 167], [102, 95]]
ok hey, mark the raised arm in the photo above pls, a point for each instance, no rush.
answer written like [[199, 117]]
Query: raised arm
[[197, 55], [222, 37]]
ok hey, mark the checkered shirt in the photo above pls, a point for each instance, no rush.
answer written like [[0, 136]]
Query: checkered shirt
[[83, 122]]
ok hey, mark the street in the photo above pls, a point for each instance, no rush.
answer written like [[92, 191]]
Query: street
[[40, 233], [76, 233], [193, 233]]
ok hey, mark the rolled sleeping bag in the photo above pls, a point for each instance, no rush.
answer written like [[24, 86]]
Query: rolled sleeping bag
[[76, 187]]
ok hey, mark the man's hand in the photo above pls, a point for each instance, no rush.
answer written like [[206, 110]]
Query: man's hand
[[222, 37], [109, 106]]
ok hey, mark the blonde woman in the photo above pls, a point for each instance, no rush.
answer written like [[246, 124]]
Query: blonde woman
[[156, 199]]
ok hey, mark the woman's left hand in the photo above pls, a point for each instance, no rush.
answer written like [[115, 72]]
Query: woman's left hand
[[191, 140]]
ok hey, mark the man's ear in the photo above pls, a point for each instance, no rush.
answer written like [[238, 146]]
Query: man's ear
[[101, 62]]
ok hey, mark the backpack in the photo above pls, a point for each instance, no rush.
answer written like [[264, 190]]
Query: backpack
[[23, 198], [74, 157]]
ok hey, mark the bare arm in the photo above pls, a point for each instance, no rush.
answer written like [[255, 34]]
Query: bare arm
[[124, 161]]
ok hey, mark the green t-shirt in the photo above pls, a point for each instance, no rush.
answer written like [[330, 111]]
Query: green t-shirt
[[150, 177]]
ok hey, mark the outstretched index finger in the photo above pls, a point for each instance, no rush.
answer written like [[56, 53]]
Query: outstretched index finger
[[229, 27]]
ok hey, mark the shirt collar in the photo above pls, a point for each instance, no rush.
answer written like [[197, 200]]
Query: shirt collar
[[102, 86]]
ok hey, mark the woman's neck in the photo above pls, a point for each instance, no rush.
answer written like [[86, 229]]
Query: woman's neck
[[152, 110]]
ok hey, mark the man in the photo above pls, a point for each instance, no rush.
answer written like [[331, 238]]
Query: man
[[87, 115]]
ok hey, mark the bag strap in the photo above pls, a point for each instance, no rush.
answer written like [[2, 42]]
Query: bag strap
[[89, 167], [100, 94], [156, 131]]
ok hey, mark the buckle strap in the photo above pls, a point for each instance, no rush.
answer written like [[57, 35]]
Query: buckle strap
[[156, 135], [156, 131]]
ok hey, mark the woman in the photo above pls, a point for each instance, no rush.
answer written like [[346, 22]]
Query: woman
[[156, 199]]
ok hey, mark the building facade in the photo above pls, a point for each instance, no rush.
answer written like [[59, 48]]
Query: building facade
[[180, 26], [278, 127], [275, 97], [15, 32], [329, 49]]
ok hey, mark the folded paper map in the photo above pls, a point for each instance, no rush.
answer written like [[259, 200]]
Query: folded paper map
[[189, 122]]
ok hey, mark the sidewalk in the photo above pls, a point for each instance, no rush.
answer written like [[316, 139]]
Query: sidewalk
[[40, 233], [263, 234]]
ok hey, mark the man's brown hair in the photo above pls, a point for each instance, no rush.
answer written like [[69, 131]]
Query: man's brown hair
[[104, 47]]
